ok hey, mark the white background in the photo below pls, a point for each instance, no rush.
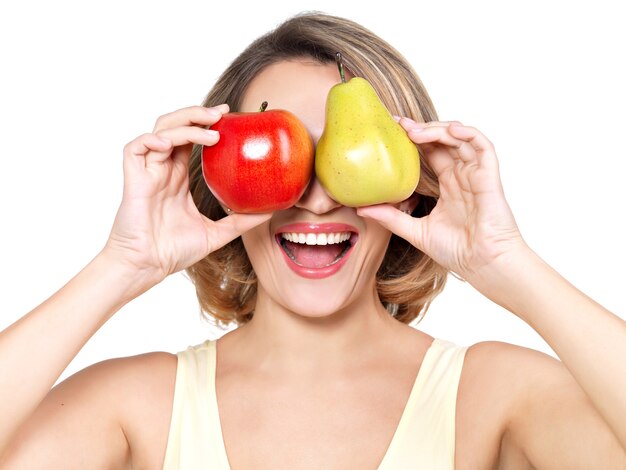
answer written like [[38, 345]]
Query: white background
[[544, 81]]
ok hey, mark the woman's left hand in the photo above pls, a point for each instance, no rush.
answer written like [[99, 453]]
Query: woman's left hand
[[472, 232], [472, 226]]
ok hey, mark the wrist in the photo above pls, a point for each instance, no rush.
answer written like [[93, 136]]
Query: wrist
[[508, 279], [131, 280]]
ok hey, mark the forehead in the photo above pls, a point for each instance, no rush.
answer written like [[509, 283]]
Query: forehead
[[297, 85], [290, 83]]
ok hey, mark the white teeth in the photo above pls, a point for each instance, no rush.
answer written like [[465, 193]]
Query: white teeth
[[316, 238]]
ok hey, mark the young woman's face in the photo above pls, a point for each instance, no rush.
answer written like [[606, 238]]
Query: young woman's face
[[311, 280]]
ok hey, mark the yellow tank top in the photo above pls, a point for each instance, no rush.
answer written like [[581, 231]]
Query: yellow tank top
[[423, 439]]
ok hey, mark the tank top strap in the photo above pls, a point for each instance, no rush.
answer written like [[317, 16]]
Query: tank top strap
[[195, 436], [425, 436]]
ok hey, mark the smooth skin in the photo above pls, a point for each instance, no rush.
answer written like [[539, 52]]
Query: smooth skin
[[516, 408]]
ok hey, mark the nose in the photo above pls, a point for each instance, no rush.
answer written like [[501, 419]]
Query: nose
[[316, 200]]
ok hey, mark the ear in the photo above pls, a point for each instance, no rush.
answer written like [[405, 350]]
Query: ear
[[409, 205]]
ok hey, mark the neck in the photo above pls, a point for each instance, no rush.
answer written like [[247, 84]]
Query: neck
[[278, 338]]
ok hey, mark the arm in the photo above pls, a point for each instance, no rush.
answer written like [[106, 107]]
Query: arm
[[114, 414], [472, 232], [589, 340], [157, 231], [36, 349], [547, 419]]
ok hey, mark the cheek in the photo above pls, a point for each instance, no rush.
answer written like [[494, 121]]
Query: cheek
[[258, 244], [379, 235], [378, 242]]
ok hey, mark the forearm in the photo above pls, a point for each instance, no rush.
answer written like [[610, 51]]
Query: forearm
[[589, 340], [36, 349]]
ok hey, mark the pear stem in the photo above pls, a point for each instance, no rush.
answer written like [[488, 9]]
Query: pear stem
[[263, 106], [339, 61]]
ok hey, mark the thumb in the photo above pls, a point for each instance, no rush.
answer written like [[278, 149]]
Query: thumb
[[393, 219], [227, 229]]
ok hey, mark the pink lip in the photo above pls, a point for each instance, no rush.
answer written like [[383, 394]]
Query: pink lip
[[317, 273]]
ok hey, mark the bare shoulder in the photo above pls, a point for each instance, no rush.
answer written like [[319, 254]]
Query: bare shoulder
[[506, 366], [496, 374], [486, 396], [105, 415], [147, 382], [531, 410]]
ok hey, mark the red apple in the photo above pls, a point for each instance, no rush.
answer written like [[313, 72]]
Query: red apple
[[262, 162]]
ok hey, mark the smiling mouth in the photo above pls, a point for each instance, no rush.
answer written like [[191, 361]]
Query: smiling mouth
[[316, 250]]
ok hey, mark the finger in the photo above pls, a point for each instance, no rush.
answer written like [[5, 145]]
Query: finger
[[439, 160], [409, 123], [461, 149], [183, 136], [193, 115], [227, 229], [483, 148], [474, 137], [136, 150], [396, 221], [145, 143], [190, 135]]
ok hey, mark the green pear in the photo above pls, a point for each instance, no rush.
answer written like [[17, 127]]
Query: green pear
[[364, 156]]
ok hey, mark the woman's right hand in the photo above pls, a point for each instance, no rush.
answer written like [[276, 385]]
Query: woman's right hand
[[158, 229]]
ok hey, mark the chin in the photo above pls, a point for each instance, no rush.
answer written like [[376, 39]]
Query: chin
[[315, 299]]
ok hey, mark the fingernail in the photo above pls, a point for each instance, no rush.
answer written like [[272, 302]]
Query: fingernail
[[361, 212], [211, 132], [223, 108], [397, 118], [213, 112]]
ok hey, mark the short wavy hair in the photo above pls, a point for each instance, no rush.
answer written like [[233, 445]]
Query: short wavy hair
[[407, 280]]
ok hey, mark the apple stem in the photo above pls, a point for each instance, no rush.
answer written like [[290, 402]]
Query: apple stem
[[263, 106], [339, 61]]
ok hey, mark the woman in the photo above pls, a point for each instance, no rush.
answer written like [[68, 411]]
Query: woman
[[320, 373]]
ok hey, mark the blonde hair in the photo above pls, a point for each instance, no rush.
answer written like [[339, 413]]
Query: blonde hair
[[407, 280]]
